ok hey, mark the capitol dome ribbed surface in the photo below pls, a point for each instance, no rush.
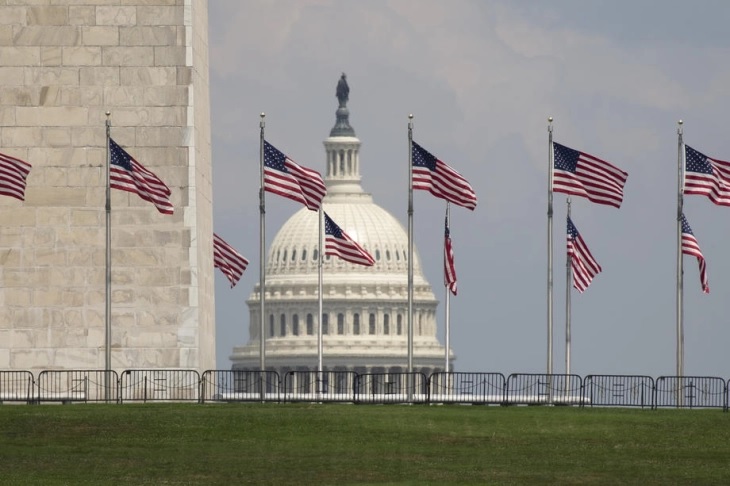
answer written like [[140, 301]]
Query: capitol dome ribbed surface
[[294, 250]]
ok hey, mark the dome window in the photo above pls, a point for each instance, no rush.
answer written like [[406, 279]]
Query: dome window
[[386, 324], [304, 254], [372, 324], [387, 255], [399, 325], [310, 325], [295, 325], [315, 254], [294, 255], [284, 259], [356, 324], [283, 325], [397, 255], [377, 255], [271, 325], [340, 323], [325, 323], [278, 254]]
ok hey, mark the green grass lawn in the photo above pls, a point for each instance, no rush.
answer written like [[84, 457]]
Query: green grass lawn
[[360, 444]]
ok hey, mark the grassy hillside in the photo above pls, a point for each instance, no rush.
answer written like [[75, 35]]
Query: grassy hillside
[[349, 444]]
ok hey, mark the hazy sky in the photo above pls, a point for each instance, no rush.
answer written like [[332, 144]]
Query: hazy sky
[[481, 78]]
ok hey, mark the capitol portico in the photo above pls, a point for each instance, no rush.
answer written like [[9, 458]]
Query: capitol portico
[[365, 309]]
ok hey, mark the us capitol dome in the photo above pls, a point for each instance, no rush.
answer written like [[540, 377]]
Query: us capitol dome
[[365, 309]]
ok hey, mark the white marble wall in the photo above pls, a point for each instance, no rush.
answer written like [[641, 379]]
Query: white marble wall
[[63, 64]]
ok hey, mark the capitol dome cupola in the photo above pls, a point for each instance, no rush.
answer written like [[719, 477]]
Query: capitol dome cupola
[[343, 149]]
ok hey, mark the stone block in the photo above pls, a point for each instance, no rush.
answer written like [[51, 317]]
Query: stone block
[[48, 36], [169, 56], [86, 217], [20, 56], [74, 237], [162, 136], [42, 237], [57, 196], [48, 256], [51, 116], [11, 76], [128, 56], [53, 218], [5, 357], [7, 116], [51, 56], [123, 96], [19, 96], [22, 137], [10, 257], [116, 15], [6, 35], [100, 36], [47, 15], [56, 137], [60, 156], [148, 76], [158, 14], [45, 76], [35, 359], [82, 56], [82, 14], [88, 136], [12, 15], [150, 116], [166, 96], [148, 36], [99, 76], [59, 96]]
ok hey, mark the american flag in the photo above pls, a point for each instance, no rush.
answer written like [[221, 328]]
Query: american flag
[[584, 266], [286, 178], [337, 243], [707, 177], [231, 263], [449, 268], [692, 248], [579, 174], [129, 175], [431, 174], [13, 173]]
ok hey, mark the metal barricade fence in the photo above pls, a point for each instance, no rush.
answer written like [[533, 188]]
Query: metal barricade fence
[[391, 388], [159, 386], [459, 387], [17, 386], [690, 392], [78, 386], [324, 386], [544, 389], [618, 390], [240, 386]]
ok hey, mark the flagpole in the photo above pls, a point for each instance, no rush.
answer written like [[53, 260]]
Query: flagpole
[[262, 250], [320, 263], [680, 269], [448, 299], [410, 244], [108, 265], [550, 250], [568, 282]]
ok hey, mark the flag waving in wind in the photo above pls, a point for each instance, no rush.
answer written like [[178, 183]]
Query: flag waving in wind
[[231, 263], [286, 178], [579, 174], [449, 268], [129, 175], [692, 248], [584, 266], [431, 174], [704, 176], [337, 243], [13, 173]]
